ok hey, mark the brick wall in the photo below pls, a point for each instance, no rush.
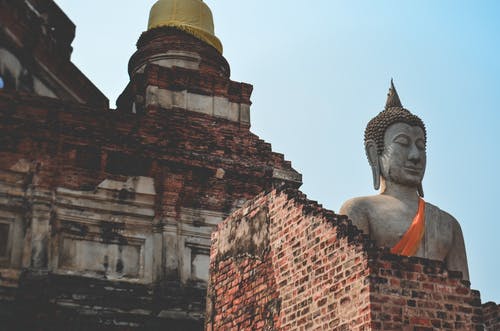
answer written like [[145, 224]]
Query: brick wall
[[421, 294], [78, 147], [314, 258], [491, 316], [324, 274], [240, 271], [318, 278]]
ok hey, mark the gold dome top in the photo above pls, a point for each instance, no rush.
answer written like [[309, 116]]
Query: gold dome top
[[191, 16]]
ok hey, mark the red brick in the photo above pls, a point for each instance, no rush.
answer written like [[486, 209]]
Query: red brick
[[321, 281]]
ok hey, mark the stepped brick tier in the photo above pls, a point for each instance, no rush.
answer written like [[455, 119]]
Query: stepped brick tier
[[282, 262], [91, 194]]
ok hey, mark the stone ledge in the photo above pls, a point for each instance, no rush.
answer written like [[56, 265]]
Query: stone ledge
[[287, 175], [210, 105]]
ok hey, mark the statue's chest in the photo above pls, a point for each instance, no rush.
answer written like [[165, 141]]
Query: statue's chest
[[438, 237], [388, 229]]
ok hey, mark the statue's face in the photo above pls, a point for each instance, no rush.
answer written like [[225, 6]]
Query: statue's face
[[403, 159]]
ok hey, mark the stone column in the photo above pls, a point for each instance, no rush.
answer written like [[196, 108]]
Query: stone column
[[171, 251], [39, 223]]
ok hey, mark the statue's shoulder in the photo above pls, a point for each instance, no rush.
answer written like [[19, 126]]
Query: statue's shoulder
[[359, 210], [442, 216], [357, 205]]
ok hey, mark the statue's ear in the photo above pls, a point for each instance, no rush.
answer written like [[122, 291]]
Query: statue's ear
[[373, 159]]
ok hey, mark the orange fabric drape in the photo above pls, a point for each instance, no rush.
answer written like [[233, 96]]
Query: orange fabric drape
[[409, 243]]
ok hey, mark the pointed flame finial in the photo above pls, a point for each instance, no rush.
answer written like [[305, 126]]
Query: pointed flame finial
[[393, 98]]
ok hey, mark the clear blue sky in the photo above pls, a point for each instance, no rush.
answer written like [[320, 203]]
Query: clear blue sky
[[321, 70]]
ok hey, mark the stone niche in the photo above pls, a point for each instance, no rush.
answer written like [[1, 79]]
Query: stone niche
[[282, 262], [106, 233], [4, 239], [10, 239], [192, 234], [112, 258], [12, 222]]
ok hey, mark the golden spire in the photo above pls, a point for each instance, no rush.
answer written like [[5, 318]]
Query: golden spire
[[191, 16]]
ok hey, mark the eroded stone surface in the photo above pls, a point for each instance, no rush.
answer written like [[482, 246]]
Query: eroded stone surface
[[247, 235]]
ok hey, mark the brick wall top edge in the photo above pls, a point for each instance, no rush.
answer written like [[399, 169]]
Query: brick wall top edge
[[346, 229], [257, 202], [376, 254], [344, 226]]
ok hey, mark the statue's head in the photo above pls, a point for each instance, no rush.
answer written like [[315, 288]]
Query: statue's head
[[395, 142]]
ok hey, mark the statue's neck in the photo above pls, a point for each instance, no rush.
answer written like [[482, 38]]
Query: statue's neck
[[405, 193]]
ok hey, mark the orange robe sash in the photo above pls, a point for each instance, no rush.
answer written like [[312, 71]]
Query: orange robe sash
[[409, 243]]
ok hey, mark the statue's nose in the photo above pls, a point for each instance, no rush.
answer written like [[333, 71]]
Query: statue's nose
[[415, 154]]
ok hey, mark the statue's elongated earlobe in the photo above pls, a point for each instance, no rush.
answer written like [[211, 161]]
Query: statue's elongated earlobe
[[420, 190], [373, 159]]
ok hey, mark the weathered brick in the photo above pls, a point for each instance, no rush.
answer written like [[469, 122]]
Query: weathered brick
[[331, 284]]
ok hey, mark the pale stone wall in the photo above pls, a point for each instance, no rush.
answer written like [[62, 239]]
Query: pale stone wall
[[172, 58], [107, 232], [103, 233], [210, 105], [99, 234]]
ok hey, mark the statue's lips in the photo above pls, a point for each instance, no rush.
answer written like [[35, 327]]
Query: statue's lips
[[413, 170]]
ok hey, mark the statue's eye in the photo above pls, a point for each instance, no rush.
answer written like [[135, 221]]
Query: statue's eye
[[402, 140], [420, 144]]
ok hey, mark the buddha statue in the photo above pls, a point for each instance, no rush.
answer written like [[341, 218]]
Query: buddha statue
[[398, 218]]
